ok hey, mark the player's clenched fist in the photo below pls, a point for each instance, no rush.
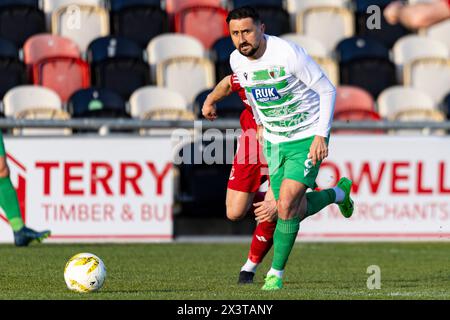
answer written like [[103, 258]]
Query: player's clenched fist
[[209, 111]]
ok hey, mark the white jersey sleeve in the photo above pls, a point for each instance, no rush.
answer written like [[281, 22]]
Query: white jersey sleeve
[[308, 71]]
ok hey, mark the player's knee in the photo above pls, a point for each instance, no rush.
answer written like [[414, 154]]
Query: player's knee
[[284, 206], [234, 214]]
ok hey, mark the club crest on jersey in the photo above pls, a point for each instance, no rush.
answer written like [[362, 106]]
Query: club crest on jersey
[[265, 94], [275, 72]]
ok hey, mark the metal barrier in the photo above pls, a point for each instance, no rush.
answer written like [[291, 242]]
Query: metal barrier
[[105, 125]]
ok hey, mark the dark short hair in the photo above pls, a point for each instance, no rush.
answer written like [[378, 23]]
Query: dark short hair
[[242, 13]]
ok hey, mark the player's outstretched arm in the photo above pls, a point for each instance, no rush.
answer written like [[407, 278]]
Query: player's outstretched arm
[[221, 90]]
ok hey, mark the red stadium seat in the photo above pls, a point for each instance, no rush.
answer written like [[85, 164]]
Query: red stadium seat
[[353, 98], [65, 75], [175, 6], [356, 114], [46, 45], [193, 20]]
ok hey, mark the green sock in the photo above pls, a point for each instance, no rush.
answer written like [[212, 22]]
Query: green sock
[[10, 204], [317, 200], [283, 241]]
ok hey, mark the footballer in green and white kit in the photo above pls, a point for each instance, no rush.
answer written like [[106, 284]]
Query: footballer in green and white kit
[[293, 101]]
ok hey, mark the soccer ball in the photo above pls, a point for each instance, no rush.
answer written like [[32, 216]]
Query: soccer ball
[[84, 272]]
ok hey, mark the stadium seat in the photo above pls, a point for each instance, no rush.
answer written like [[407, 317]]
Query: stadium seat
[[97, 103], [93, 23], [12, 70], [174, 6], [187, 75], [353, 98], [440, 32], [386, 33], [230, 107], [399, 98], [411, 47], [117, 5], [156, 103], [294, 7], [34, 102], [339, 24], [50, 6], [431, 75], [220, 53], [64, 75], [138, 20], [117, 64], [20, 19], [171, 45], [330, 68], [47, 45], [356, 114], [446, 106], [313, 46], [276, 20], [257, 3], [365, 63], [419, 115], [192, 21]]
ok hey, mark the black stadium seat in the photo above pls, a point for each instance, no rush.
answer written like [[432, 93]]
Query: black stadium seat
[[139, 20], [12, 71], [446, 106], [257, 3], [117, 63], [364, 62], [221, 51], [97, 103], [230, 107], [20, 19], [275, 19], [387, 34]]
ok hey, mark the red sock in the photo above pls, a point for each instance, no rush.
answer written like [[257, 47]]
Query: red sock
[[262, 241]]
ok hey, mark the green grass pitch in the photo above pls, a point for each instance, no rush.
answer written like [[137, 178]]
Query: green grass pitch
[[186, 271]]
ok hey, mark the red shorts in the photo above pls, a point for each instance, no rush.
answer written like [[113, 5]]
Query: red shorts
[[249, 169]]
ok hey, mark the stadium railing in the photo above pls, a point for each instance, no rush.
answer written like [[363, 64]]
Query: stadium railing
[[105, 125]]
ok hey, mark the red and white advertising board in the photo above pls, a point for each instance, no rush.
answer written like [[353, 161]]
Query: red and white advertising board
[[93, 189], [121, 188], [401, 188]]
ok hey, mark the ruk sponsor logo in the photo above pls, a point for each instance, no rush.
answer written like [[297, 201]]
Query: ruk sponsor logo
[[265, 94]]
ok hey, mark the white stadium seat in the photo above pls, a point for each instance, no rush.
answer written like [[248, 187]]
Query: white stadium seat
[[412, 47], [431, 75], [89, 23], [50, 6], [34, 102], [400, 103], [440, 31], [172, 45], [186, 75], [158, 103], [339, 25], [149, 99], [399, 98], [296, 6]]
